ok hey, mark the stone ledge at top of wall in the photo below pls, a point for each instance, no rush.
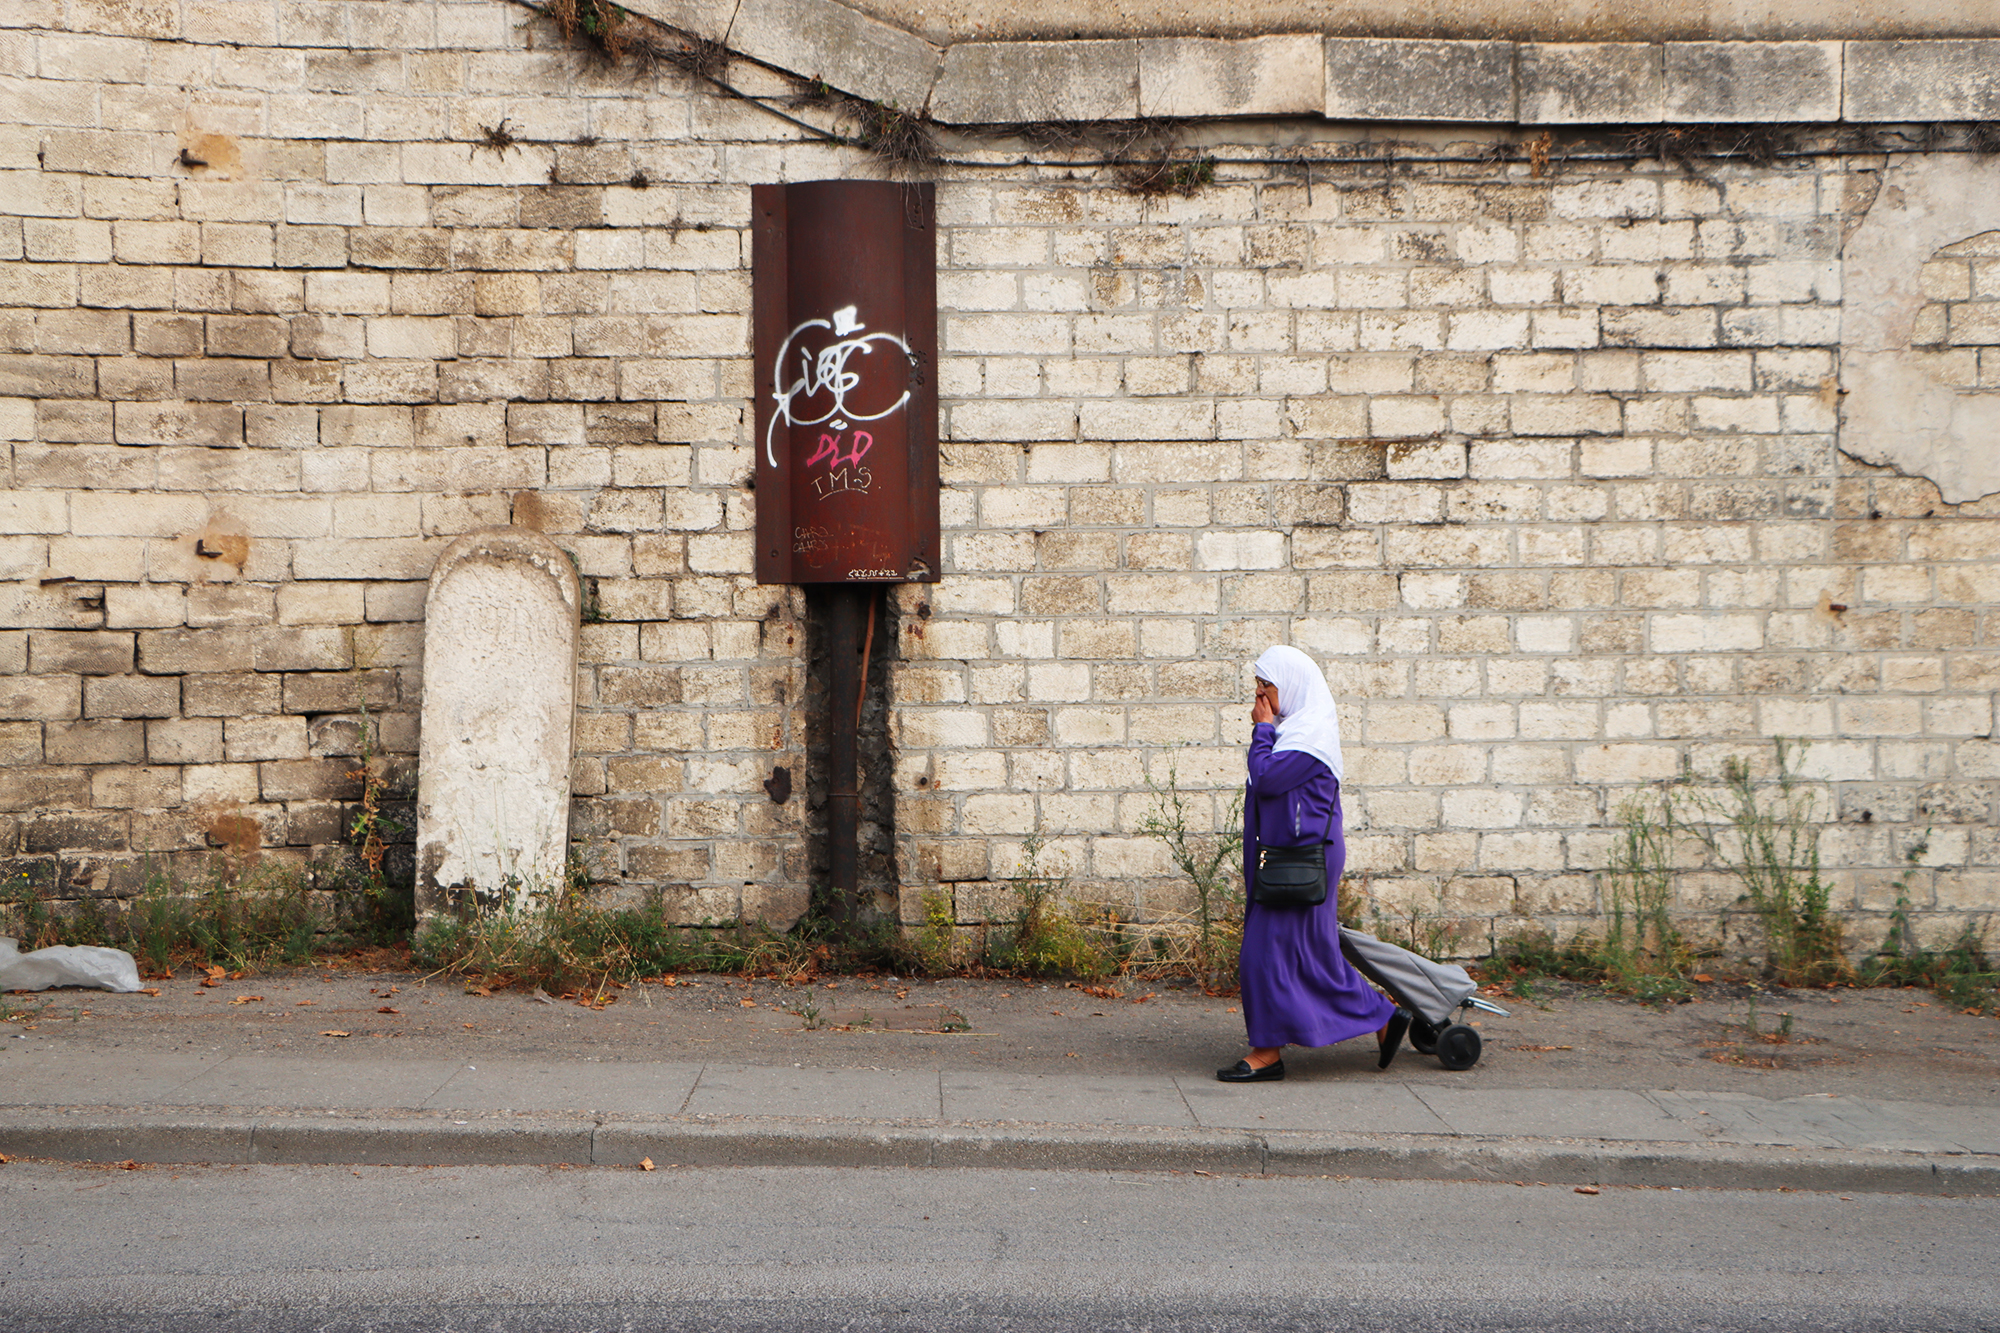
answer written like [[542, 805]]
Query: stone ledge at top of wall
[[1419, 80], [1258, 76], [828, 40], [1638, 83], [1890, 81], [1370, 78], [992, 83], [708, 19], [1591, 83], [1723, 82]]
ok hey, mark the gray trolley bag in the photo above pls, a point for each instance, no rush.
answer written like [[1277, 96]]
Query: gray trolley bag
[[1430, 991]]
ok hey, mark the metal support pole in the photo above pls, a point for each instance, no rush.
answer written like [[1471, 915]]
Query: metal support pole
[[846, 609]]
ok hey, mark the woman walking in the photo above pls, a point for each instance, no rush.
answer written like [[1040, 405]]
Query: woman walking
[[1298, 989]]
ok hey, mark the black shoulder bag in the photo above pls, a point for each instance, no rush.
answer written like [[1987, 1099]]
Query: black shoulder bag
[[1293, 876]]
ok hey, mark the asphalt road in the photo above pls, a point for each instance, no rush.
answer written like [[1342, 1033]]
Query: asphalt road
[[279, 1249]]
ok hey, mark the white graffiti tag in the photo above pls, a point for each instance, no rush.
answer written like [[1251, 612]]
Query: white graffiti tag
[[824, 374]]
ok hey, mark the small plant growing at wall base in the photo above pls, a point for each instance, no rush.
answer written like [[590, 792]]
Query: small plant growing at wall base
[[1047, 938], [933, 950], [1642, 952], [1765, 834], [1210, 863], [1961, 974], [1436, 934]]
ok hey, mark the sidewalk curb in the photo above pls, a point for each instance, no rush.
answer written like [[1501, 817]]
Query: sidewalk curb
[[541, 1141]]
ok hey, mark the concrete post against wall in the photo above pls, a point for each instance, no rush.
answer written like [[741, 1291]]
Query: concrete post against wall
[[501, 621]]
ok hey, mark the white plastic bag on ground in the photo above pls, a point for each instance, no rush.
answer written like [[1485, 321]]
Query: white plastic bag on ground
[[67, 965]]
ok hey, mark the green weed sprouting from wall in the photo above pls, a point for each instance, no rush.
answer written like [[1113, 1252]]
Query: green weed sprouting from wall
[[934, 949], [244, 919], [1642, 952], [1048, 939], [1766, 834], [1212, 864], [1763, 832], [1434, 932], [1961, 974]]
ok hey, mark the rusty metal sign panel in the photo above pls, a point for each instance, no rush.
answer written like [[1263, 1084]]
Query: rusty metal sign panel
[[845, 293]]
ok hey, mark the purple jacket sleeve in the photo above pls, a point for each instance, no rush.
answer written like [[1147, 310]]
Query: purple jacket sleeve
[[1272, 774]]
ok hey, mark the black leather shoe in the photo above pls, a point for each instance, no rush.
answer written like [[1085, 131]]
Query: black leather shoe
[[1392, 1039], [1243, 1072]]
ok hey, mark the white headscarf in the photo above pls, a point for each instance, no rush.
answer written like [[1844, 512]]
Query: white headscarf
[[1307, 719]]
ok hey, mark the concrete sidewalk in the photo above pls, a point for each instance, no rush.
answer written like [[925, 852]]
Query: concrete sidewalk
[[64, 1101]]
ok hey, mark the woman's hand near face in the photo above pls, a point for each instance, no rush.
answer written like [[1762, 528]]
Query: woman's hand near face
[[1265, 708]]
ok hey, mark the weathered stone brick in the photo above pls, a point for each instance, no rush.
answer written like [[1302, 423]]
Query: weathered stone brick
[[181, 651], [108, 742], [137, 785], [131, 696], [89, 653], [247, 739], [339, 691], [103, 831], [304, 779]]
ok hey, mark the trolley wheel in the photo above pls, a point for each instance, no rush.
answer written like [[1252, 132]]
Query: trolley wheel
[[1423, 1037], [1458, 1047]]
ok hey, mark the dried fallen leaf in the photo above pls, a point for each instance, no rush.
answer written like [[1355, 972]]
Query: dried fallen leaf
[[4, 1159], [1703, 976], [747, 1004], [215, 976], [645, 1164], [1141, 999], [335, 1032], [1541, 1048], [129, 1165], [303, 1003], [246, 999], [477, 990], [149, 990], [1587, 1189], [465, 1025], [388, 1009]]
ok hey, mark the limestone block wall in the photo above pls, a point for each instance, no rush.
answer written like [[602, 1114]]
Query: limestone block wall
[[1541, 459], [1546, 471]]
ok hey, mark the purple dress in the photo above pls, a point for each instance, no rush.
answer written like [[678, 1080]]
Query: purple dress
[[1298, 989]]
